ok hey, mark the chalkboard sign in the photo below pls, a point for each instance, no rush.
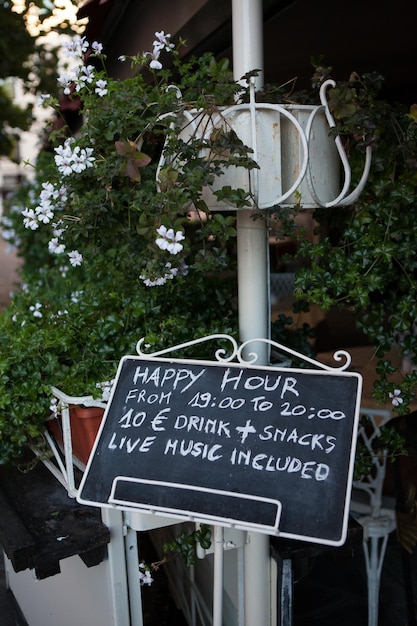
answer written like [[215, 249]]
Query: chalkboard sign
[[262, 448]]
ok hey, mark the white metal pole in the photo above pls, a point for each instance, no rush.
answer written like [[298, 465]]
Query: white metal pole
[[252, 245], [132, 571], [218, 576], [253, 277], [116, 567]]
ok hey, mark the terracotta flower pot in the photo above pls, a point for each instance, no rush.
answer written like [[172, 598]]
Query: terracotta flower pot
[[85, 422]]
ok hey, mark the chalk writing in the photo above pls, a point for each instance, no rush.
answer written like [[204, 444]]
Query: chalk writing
[[241, 430], [232, 395], [284, 435]]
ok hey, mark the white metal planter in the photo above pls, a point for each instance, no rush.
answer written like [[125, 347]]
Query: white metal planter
[[300, 163]]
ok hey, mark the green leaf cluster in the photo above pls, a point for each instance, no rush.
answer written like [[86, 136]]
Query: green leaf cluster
[[25, 57], [69, 327], [364, 257], [185, 544]]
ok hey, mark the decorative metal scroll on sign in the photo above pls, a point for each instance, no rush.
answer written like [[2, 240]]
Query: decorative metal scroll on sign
[[241, 353]]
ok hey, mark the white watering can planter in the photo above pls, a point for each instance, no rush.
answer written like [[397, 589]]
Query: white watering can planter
[[299, 163]]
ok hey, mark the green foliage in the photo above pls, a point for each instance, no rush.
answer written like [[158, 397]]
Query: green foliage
[[69, 326], [185, 544], [16, 44], [365, 257], [23, 56], [387, 446], [286, 331], [16, 47]]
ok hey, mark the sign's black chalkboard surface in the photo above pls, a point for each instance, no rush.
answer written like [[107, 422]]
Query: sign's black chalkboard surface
[[270, 449]]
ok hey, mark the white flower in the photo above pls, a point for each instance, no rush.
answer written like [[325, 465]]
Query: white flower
[[8, 235], [74, 78], [65, 80], [44, 212], [78, 164], [155, 64], [48, 191], [36, 310], [87, 154], [68, 160], [395, 397], [55, 247], [101, 88], [76, 296], [122, 58], [58, 230], [162, 241], [51, 198], [63, 158], [175, 246], [170, 272], [162, 41], [5, 221], [75, 165], [76, 47], [183, 269], [97, 47], [145, 578], [105, 388], [145, 575], [156, 282], [61, 195], [43, 99], [30, 219], [54, 406], [86, 76], [75, 258], [169, 240]]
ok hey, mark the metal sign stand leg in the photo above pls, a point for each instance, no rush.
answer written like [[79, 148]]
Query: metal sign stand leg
[[132, 570], [285, 588], [118, 578]]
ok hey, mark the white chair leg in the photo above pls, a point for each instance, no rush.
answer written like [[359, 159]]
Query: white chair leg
[[374, 549]]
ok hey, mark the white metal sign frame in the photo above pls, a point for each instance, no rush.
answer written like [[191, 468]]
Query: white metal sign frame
[[248, 360]]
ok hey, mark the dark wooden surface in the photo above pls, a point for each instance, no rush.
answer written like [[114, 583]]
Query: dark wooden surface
[[40, 524]]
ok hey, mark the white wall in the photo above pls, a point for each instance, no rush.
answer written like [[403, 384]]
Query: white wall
[[78, 595]]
